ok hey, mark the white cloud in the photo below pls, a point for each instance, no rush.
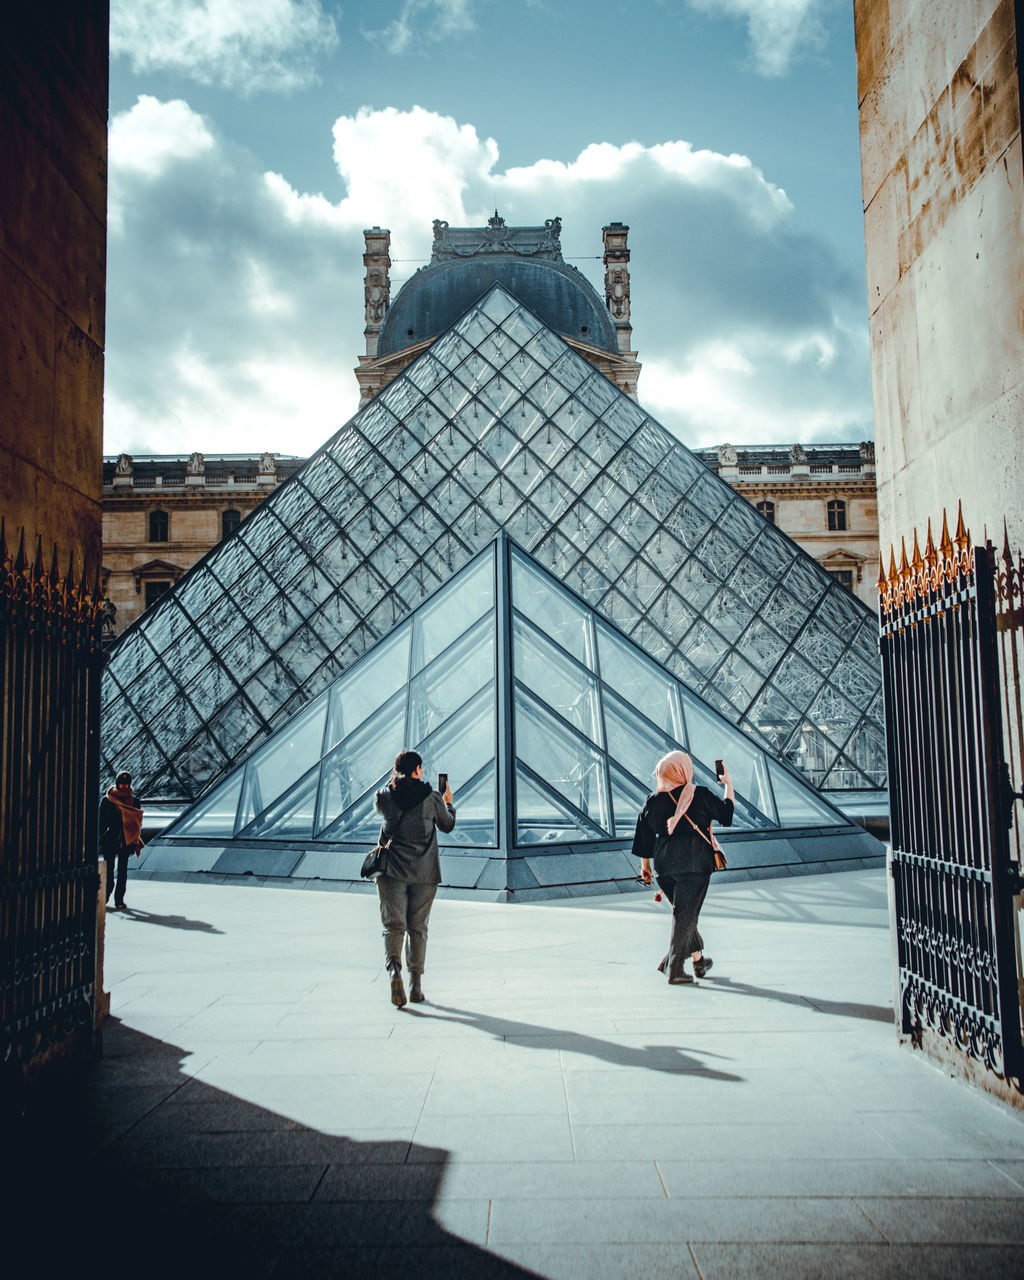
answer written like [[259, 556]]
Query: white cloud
[[424, 22], [780, 31], [243, 45], [236, 301]]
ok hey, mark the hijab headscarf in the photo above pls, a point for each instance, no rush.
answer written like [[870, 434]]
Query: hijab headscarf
[[676, 770]]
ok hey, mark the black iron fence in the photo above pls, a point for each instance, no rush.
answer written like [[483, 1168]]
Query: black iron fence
[[950, 806], [50, 662]]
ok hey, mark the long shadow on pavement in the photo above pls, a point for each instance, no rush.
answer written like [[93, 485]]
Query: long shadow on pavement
[[653, 1057], [168, 922], [144, 1172], [837, 1008]]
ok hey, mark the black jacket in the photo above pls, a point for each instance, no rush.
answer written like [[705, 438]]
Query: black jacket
[[412, 811], [111, 829], [684, 852]]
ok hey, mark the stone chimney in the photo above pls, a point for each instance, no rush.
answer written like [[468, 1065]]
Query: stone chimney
[[377, 262], [616, 282]]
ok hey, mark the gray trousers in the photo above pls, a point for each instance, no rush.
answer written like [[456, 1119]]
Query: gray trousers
[[405, 911]]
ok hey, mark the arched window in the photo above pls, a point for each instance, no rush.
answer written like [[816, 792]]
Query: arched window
[[767, 509], [159, 526], [836, 515], [229, 521]]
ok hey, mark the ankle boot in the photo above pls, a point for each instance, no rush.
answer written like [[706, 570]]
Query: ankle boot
[[416, 988], [397, 989]]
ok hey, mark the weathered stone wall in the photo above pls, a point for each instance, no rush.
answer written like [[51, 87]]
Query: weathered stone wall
[[53, 216], [943, 188]]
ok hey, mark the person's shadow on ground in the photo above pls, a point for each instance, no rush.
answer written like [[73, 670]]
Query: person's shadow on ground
[[144, 1171], [168, 922], [652, 1057], [836, 1008]]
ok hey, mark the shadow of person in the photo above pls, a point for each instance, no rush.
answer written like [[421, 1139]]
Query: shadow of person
[[143, 1171], [837, 1008], [168, 922], [653, 1057]]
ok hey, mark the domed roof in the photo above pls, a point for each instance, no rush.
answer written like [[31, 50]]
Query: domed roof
[[467, 261]]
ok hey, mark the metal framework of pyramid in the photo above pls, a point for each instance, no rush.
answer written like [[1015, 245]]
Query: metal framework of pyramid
[[548, 721], [498, 426]]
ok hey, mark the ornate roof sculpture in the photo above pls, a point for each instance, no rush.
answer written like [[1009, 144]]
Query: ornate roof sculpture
[[548, 721], [498, 425], [467, 261]]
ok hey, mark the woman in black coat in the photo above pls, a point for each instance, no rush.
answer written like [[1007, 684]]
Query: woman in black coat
[[412, 811], [674, 831]]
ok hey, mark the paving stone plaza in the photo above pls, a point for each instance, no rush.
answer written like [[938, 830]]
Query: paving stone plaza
[[554, 1109]]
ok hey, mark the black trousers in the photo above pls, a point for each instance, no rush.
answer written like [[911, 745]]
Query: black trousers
[[686, 893], [117, 885]]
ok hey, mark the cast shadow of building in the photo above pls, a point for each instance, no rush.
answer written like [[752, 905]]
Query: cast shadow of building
[[145, 1171]]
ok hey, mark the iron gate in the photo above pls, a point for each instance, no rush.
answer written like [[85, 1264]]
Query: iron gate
[[949, 812], [50, 662]]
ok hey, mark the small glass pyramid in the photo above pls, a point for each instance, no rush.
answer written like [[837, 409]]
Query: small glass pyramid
[[498, 425], [548, 720]]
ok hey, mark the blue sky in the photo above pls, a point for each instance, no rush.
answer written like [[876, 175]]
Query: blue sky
[[253, 140]]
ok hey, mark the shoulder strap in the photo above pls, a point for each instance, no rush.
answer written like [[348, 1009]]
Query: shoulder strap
[[709, 838]]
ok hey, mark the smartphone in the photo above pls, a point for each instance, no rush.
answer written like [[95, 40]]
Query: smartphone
[[442, 782], [719, 768]]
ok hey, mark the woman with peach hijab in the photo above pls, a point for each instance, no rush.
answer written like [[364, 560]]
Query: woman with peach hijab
[[674, 831]]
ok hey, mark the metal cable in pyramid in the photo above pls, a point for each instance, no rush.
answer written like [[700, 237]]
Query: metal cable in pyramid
[[548, 721], [498, 425]]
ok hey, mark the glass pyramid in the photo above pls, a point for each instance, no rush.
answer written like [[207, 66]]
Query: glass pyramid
[[581, 719], [498, 425]]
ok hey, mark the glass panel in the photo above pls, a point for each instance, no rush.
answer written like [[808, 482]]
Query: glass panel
[[291, 817], [368, 686], [628, 798], [798, 806], [476, 810], [773, 717], [214, 817], [354, 766], [634, 744], [167, 626], [540, 819], [283, 760], [454, 610], [810, 751], [569, 764], [302, 655], [554, 613], [270, 687], [361, 822], [276, 622], [452, 680], [710, 738], [797, 680], [235, 726], [198, 763], [565, 686], [464, 743], [641, 683]]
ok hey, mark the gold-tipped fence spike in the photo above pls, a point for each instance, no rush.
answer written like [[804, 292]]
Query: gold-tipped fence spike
[[961, 537], [945, 542], [880, 585], [4, 554], [1007, 556], [54, 568], [38, 567], [21, 559]]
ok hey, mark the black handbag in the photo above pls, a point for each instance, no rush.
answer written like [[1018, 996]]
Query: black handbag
[[375, 863]]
